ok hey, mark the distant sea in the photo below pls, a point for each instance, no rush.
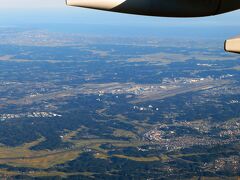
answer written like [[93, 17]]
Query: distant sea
[[89, 22], [219, 32]]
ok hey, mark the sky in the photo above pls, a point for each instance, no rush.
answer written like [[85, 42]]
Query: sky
[[54, 14], [23, 4]]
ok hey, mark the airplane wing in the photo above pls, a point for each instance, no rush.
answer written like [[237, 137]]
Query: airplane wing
[[167, 8]]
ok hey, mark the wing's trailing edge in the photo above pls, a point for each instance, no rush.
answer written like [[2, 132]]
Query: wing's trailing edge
[[233, 45]]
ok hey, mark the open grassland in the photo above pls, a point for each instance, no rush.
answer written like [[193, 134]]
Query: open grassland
[[42, 162], [23, 156], [139, 159]]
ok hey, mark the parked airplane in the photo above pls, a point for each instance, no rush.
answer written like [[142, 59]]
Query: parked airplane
[[167, 8]]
